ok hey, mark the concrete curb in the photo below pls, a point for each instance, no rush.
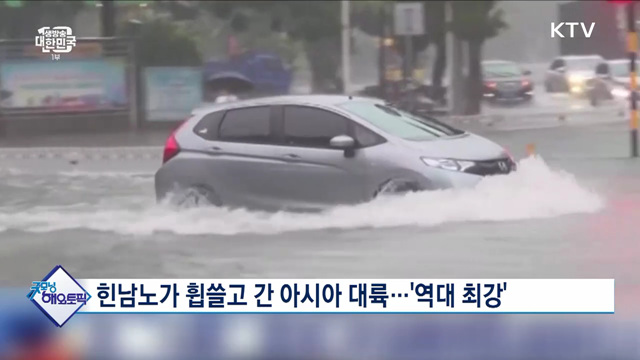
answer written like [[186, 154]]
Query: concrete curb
[[86, 153], [492, 119]]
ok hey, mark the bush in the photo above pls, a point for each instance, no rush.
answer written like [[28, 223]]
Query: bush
[[161, 43]]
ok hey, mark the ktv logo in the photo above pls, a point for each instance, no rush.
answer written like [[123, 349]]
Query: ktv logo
[[555, 29], [59, 296]]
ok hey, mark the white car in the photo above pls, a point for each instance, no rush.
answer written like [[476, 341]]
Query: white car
[[611, 83], [570, 74]]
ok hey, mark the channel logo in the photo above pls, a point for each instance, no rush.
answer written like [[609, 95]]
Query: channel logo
[[59, 296]]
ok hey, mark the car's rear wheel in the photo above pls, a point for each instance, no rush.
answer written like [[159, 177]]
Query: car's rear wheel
[[197, 196]]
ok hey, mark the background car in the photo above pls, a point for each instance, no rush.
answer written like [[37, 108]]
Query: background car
[[310, 152], [612, 82], [619, 70], [505, 80], [570, 74]]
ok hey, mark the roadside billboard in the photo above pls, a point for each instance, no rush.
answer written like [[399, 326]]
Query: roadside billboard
[[171, 93], [66, 85]]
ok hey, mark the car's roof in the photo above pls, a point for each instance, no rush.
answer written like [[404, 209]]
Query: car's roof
[[618, 61], [317, 100]]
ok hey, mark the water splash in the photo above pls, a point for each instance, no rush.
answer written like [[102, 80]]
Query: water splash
[[535, 191]]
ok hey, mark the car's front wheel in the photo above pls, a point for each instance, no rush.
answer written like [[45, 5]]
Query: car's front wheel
[[396, 187]]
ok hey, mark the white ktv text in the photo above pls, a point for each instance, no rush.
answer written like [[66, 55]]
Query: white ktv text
[[555, 29]]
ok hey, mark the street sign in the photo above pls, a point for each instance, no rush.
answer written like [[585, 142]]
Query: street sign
[[409, 18]]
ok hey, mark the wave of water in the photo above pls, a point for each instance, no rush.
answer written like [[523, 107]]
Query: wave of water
[[535, 191]]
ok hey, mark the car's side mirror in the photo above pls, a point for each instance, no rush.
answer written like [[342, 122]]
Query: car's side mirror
[[344, 142], [526, 72]]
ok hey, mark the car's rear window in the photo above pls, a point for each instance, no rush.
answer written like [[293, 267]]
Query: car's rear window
[[399, 123], [501, 69]]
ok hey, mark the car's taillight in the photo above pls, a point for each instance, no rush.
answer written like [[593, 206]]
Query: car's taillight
[[171, 146]]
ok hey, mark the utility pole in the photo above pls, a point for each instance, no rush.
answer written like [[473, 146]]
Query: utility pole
[[346, 46], [449, 38], [382, 50], [409, 22], [108, 18], [632, 44], [454, 65]]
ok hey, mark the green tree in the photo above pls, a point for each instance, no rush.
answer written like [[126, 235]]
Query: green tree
[[435, 20], [315, 24], [22, 22], [372, 16], [161, 43], [474, 22]]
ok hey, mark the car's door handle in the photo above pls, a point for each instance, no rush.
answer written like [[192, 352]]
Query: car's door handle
[[291, 157], [214, 150]]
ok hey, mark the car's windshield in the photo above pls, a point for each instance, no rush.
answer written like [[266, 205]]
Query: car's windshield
[[619, 69], [399, 123], [501, 69], [583, 64]]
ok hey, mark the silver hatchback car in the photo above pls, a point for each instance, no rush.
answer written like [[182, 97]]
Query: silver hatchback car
[[310, 152]]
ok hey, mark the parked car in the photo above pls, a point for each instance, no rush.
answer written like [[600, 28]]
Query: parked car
[[310, 152], [570, 74], [505, 80]]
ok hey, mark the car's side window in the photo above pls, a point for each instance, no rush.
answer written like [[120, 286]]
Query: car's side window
[[207, 127], [312, 127], [249, 125], [602, 69], [561, 63], [365, 137]]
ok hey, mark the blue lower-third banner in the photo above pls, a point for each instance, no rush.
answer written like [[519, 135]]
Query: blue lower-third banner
[[60, 296]]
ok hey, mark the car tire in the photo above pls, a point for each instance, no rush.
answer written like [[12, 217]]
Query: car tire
[[396, 187], [197, 196]]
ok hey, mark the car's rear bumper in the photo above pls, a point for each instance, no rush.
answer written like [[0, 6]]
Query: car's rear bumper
[[499, 94]]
